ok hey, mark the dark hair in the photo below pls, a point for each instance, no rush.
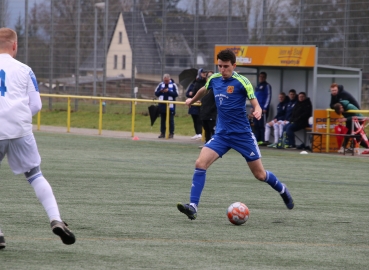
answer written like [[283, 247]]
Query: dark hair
[[263, 73], [207, 73], [337, 108], [227, 55], [302, 93], [292, 91], [282, 93]]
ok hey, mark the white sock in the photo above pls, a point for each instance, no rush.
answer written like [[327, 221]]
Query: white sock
[[267, 132], [45, 195], [194, 206], [276, 133]]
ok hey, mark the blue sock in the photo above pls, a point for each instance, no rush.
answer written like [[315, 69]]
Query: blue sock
[[198, 183], [273, 181]]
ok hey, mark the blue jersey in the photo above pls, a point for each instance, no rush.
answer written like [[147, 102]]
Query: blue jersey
[[230, 98]]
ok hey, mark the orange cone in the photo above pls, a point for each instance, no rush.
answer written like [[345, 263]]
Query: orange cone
[[135, 138]]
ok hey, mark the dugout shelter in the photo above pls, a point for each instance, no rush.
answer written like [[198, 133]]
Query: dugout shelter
[[293, 67]]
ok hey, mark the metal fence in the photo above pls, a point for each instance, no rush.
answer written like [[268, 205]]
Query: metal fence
[[67, 42]]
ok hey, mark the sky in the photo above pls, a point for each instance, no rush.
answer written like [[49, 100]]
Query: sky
[[16, 8]]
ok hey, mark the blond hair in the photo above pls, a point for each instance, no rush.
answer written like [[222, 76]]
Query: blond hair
[[7, 37]]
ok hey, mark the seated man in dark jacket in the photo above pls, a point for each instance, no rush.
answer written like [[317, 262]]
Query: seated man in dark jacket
[[299, 119]]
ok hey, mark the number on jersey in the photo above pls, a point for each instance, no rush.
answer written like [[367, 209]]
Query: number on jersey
[[2, 83]]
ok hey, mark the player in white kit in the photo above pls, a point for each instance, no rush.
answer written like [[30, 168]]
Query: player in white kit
[[19, 101]]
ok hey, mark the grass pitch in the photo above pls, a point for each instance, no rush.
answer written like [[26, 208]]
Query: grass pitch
[[119, 198]]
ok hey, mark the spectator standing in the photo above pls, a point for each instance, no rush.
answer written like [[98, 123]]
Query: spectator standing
[[19, 101], [277, 120], [167, 90], [301, 113], [208, 112], [194, 111], [338, 93], [263, 93], [233, 131]]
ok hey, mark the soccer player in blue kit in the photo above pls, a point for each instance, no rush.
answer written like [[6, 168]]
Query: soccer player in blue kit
[[232, 131]]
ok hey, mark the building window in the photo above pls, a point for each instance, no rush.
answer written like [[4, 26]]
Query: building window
[[170, 61], [123, 62], [183, 62], [120, 37], [115, 61]]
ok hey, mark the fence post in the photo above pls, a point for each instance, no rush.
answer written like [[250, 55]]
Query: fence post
[[133, 118], [100, 115], [68, 116]]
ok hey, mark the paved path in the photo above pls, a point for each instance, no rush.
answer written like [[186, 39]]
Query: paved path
[[117, 134], [139, 135]]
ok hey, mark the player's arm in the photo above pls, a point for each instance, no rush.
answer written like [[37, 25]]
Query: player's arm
[[199, 95], [34, 101], [257, 109]]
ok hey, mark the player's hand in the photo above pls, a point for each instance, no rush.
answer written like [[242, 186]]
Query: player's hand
[[188, 102], [257, 114]]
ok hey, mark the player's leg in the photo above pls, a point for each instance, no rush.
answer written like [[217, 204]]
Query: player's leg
[[246, 145], [209, 154], [2, 240], [4, 144], [268, 177], [22, 155]]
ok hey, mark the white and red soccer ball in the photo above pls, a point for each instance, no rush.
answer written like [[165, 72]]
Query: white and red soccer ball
[[238, 213]]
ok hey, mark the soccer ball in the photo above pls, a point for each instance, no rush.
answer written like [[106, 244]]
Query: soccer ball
[[238, 213]]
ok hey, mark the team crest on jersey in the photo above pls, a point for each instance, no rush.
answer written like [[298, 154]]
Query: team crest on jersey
[[230, 89]]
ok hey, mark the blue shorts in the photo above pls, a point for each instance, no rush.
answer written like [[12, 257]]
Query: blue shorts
[[243, 143]]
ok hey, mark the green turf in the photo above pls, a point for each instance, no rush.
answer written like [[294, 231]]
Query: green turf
[[119, 197]]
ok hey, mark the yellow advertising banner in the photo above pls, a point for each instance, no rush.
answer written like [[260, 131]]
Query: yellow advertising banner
[[320, 125], [280, 56]]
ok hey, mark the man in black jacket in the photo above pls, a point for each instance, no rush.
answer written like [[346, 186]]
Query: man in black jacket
[[299, 118], [194, 111], [208, 112], [338, 94]]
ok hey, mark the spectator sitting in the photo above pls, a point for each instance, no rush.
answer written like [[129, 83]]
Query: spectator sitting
[[277, 119], [299, 119], [290, 105]]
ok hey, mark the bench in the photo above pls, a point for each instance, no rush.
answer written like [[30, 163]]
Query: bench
[[317, 140], [303, 132]]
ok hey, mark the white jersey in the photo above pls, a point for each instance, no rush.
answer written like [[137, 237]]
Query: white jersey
[[17, 80]]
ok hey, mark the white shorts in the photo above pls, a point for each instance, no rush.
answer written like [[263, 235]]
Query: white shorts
[[22, 153]]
